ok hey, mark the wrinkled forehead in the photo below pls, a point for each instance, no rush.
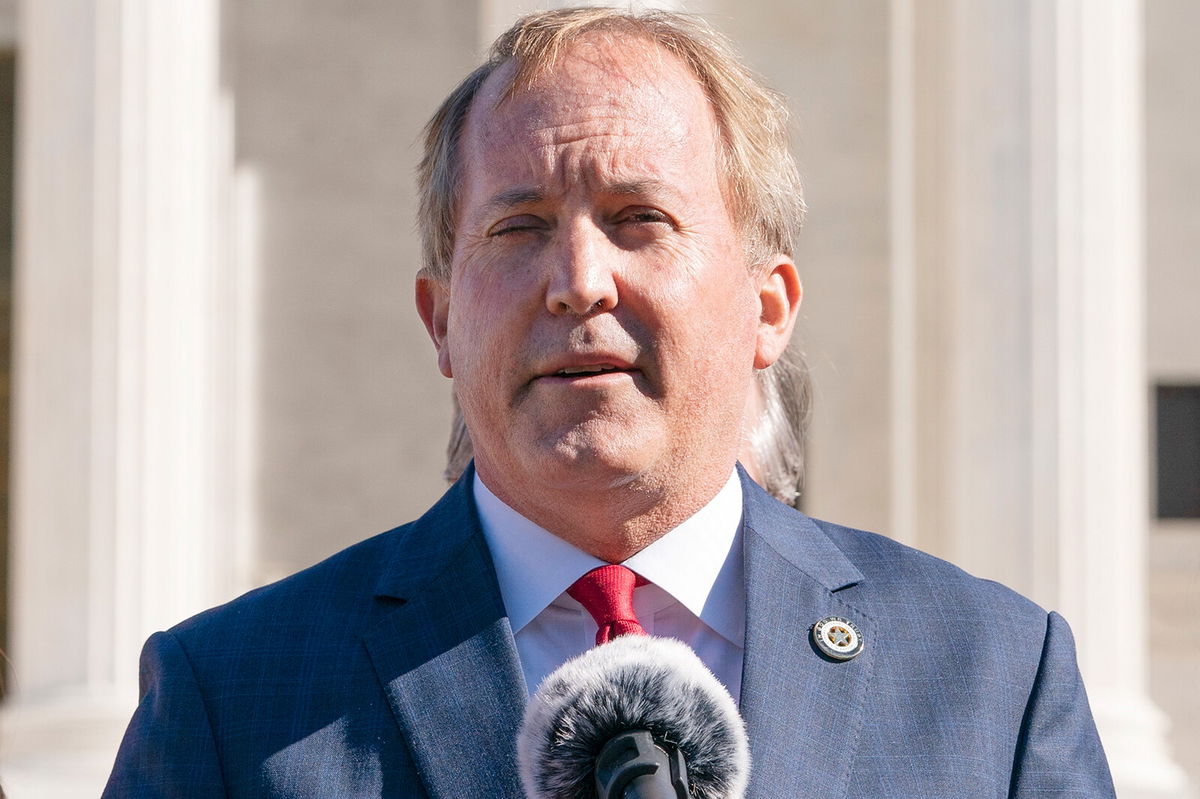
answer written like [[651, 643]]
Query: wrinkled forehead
[[635, 84]]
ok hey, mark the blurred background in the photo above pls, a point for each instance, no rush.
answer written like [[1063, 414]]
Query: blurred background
[[213, 374]]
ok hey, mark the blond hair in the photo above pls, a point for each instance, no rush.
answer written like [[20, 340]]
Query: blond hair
[[762, 182]]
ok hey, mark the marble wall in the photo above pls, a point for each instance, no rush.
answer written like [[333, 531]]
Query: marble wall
[[352, 413]]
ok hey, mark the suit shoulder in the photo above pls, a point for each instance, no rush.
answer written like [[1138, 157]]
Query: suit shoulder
[[903, 571], [931, 618], [334, 587]]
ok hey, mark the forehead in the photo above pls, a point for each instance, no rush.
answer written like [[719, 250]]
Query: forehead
[[629, 104]]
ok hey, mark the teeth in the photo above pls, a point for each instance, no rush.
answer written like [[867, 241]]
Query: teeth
[[585, 370]]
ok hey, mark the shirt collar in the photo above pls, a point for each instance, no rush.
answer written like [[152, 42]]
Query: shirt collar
[[698, 563]]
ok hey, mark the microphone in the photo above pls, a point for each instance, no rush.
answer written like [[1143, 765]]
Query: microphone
[[636, 718]]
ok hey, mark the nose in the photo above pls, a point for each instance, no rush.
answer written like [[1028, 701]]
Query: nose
[[581, 281]]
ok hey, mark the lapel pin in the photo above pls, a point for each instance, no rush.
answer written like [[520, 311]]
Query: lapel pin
[[837, 637]]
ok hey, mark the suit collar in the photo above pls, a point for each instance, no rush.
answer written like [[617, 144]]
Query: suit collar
[[796, 538], [803, 711], [444, 653], [432, 543]]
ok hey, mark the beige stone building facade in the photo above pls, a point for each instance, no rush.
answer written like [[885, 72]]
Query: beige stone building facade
[[218, 377]]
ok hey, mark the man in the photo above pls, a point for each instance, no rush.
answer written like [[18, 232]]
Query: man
[[609, 212]]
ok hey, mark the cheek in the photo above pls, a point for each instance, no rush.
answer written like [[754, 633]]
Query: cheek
[[480, 303], [487, 330], [711, 311], [707, 352], [497, 279], [470, 340]]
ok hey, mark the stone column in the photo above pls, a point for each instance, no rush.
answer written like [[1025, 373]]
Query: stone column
[[1019, 398], [125, 493]]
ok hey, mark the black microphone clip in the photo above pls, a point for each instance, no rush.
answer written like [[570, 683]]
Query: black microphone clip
[[633, 766]]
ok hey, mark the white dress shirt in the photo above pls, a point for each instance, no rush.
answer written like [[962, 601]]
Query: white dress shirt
[[696, 591]]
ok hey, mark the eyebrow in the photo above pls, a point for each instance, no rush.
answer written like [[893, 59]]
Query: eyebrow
[[647, 188], [512, 198]]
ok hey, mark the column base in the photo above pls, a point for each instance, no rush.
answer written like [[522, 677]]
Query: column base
[[60, 747], [1134, 732]]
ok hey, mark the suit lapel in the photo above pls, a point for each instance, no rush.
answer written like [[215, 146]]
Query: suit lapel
[[803, 711], [444, 652]]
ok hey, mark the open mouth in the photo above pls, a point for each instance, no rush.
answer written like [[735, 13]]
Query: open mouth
[[578, 371]]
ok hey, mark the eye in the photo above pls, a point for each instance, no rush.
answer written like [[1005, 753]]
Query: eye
[[516, 224], [644, 215]]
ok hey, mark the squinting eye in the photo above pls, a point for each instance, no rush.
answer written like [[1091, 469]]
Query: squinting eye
[[644, 216], [515, 224]]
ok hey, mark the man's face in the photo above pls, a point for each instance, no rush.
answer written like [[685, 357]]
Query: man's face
[[601, 323]]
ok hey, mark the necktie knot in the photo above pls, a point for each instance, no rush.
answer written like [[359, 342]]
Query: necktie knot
[[606, 593]]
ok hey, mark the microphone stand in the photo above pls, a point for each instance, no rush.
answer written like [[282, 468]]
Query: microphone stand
[[633, 766]]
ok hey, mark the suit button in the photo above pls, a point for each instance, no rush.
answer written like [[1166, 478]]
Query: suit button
[[837, 638]]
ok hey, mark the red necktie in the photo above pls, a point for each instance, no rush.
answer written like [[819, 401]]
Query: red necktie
[[606, 592]]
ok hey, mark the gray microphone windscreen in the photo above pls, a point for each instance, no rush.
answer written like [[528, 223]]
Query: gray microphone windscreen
[[634, 682]]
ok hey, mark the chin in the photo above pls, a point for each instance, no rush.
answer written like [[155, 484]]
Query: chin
[[591, 458]]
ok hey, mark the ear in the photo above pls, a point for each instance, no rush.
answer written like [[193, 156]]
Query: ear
[[779, 296], [433, 304]]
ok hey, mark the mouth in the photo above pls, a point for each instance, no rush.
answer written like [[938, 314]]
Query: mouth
[[597, 373], [583, 371]]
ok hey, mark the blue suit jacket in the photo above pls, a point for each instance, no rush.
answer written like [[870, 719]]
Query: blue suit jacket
[[390, 670]]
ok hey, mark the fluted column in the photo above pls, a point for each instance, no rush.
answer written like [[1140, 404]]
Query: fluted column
[[125, 496], [1019, 399]]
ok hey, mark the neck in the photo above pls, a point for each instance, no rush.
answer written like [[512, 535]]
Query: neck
[[614, 522]]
